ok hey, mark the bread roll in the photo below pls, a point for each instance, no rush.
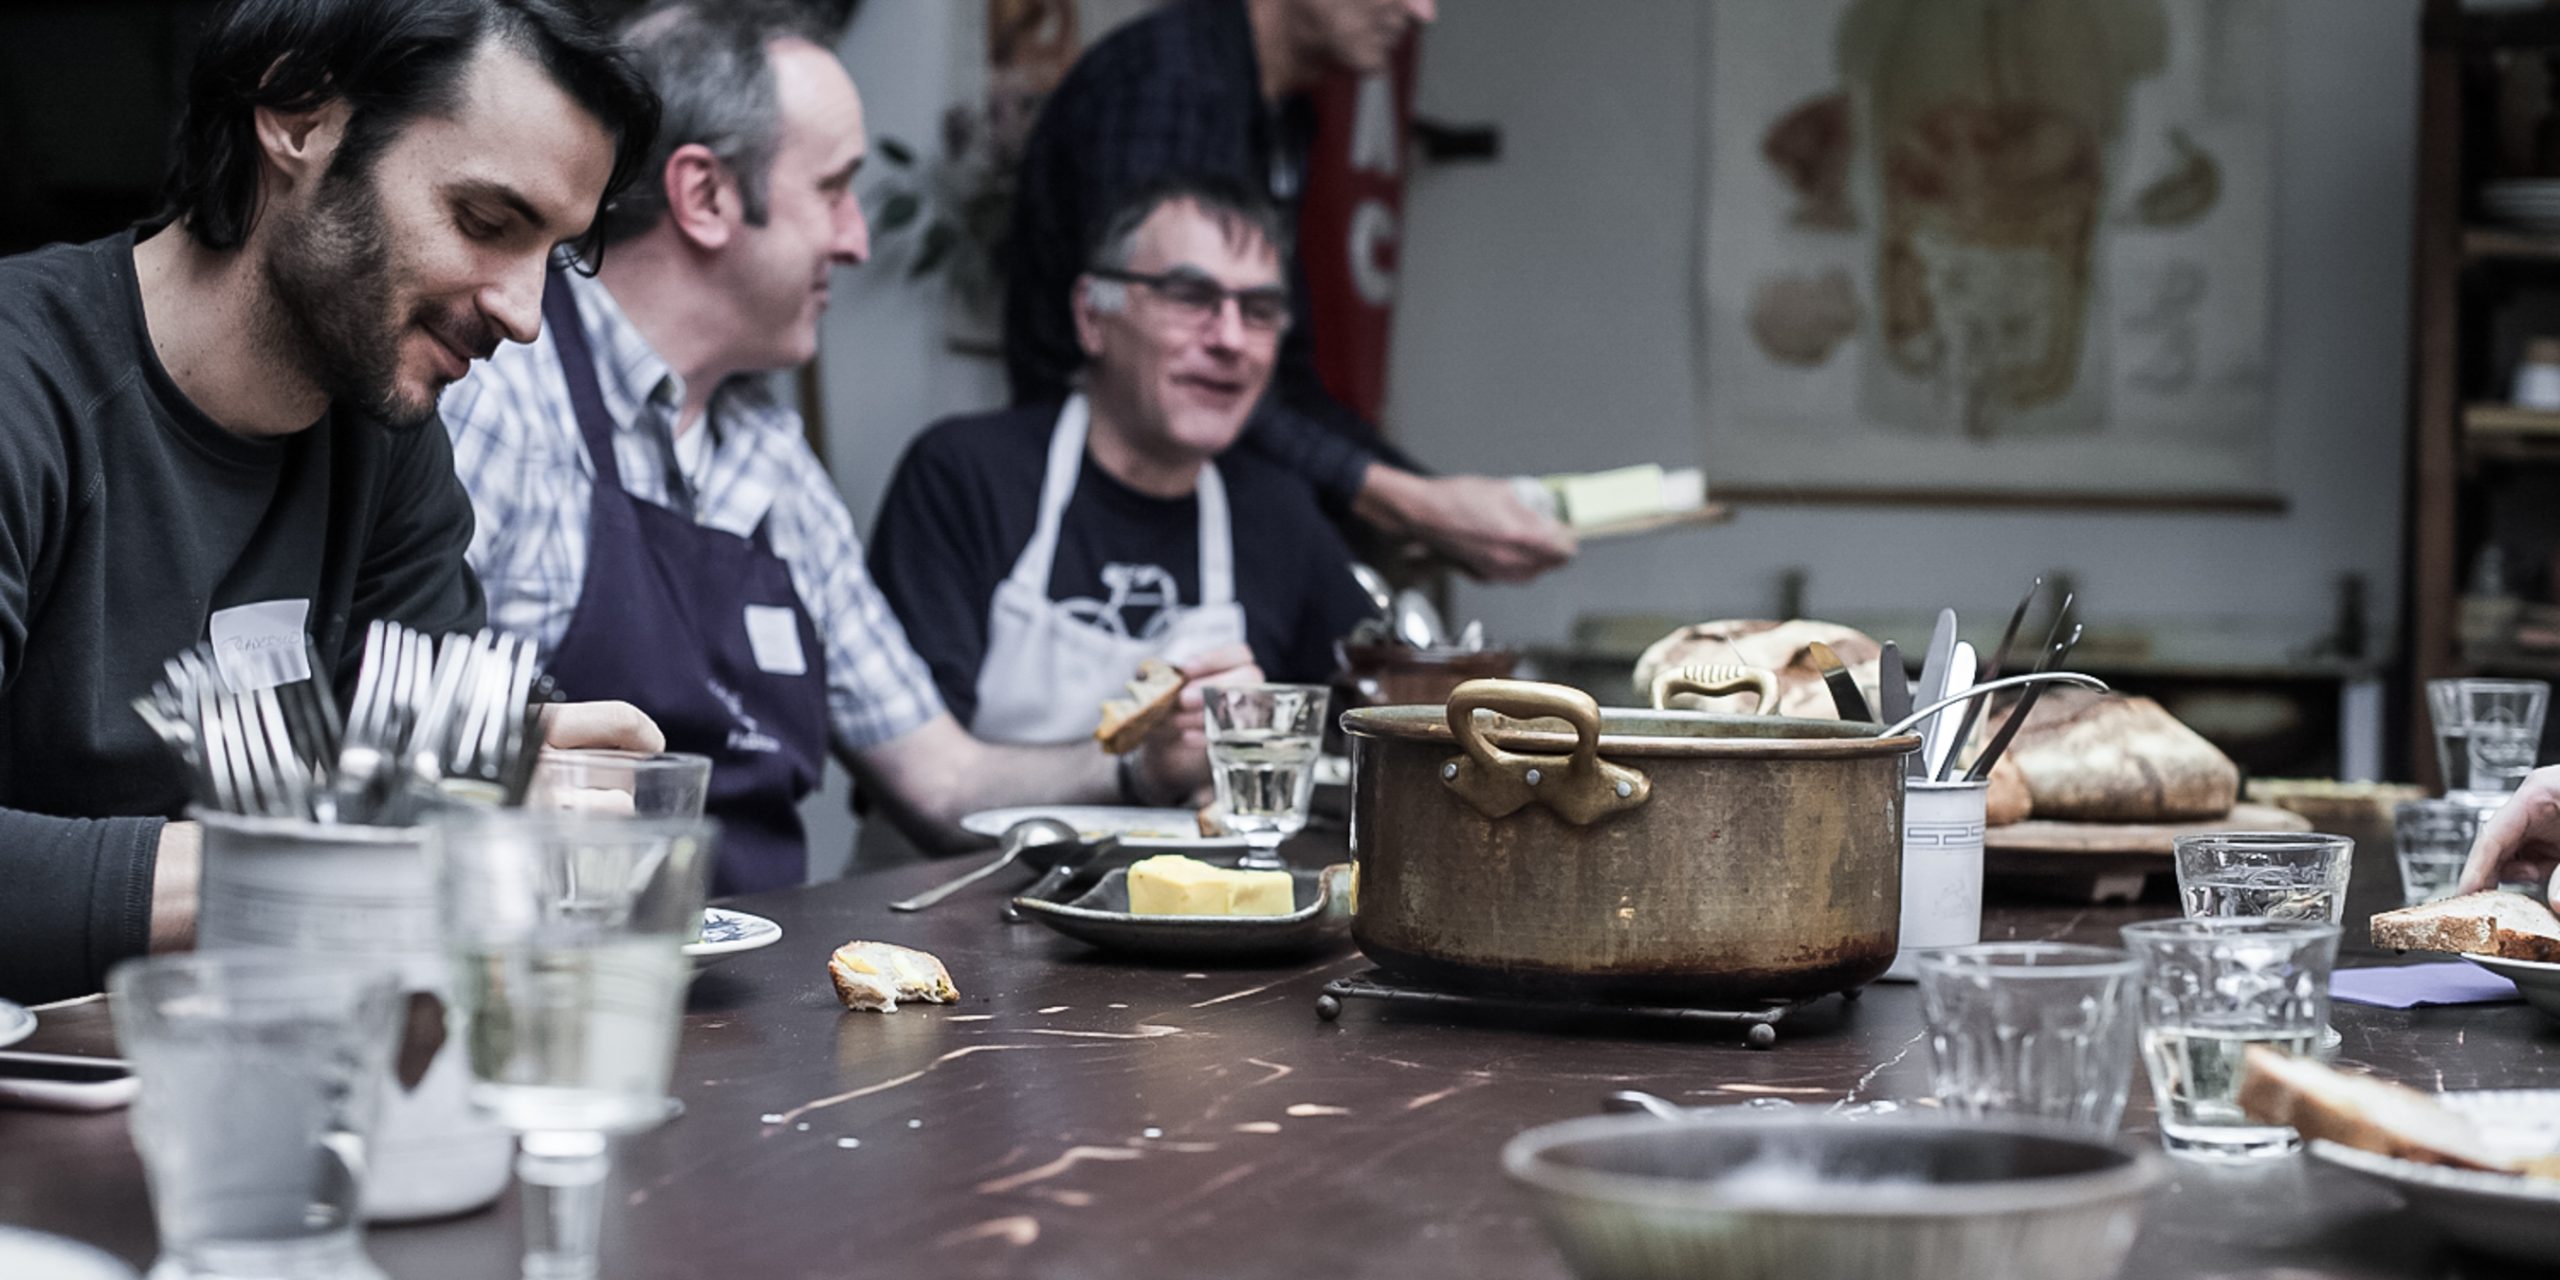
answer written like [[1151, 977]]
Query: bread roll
[[1776, 647]]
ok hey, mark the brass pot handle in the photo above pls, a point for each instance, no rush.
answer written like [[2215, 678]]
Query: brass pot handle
[[1715, 678], [1580, 788]]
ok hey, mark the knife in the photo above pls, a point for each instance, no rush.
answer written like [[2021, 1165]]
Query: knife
[[1941, 655], [1845, 697]]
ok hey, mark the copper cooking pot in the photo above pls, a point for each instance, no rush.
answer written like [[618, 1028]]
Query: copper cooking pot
[[1527, 840]]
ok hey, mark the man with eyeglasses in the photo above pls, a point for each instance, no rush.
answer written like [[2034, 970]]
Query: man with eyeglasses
[[1220, 86], [1039, 554]]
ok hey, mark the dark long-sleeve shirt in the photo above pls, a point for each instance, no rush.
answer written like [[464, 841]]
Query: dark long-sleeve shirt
[[1176, 92], [127, 520]]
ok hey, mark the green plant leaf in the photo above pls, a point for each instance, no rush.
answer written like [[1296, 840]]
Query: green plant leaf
[[938, 240], [896, 212]]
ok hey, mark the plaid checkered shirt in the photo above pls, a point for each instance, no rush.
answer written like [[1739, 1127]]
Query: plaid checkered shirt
[[517, 448]]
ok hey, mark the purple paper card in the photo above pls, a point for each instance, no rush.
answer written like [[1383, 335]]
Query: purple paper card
[[2407, 986]]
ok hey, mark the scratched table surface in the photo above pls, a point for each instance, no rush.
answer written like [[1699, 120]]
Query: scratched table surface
[[1075, 1116]]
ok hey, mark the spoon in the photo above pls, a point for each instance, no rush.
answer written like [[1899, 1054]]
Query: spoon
[[1375, 583], [1626, 1101], [1018, 837], [1417, 622]]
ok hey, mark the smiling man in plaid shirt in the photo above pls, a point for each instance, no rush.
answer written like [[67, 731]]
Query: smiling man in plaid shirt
[[648, 510]]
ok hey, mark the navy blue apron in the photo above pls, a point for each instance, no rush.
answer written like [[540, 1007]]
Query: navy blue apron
[[661, 623]]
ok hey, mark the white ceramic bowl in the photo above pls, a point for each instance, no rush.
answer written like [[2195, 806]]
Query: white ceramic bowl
[[1742, 1195]]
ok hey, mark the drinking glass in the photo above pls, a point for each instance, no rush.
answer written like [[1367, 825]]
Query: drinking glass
[[670, 784], [2487, 733], [2210, 989], [566, 932], [1263, 740], [260, 1081], [2281, 875], [2432, 839], [2031, 1028]]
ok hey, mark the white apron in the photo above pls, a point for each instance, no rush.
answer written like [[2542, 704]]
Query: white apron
[[1049, 663]]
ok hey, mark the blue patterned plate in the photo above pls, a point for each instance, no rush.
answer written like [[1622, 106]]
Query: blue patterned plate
[[726, 933]]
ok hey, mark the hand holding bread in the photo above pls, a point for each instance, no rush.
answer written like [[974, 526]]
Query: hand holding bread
[[2522, 840]]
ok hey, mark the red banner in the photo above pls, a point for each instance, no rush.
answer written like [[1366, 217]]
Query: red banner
[[1351, 225]]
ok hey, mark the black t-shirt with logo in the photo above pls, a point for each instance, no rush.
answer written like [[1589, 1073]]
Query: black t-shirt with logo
[[966, 498], [128, 519]]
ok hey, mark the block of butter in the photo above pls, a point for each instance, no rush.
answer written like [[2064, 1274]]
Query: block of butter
[[1170, 884]]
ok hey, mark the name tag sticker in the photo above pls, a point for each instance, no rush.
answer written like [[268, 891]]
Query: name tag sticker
[[259, 646], [773, 632]]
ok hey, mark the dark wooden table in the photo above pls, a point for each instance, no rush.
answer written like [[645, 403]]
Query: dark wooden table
[[1077, 1117]]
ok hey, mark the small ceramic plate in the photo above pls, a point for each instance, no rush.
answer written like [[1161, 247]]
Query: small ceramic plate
[[1137, 828], [2537, 982], [1101, 918], [2496, 1213], [16, 1023], [726, 933]]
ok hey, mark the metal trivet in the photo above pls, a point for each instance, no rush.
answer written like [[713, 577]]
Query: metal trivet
[[1760, 1025]]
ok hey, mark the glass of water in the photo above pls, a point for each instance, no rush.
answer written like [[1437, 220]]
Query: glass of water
[[1263, 740], [566, 933], [2487, 734], [2432, 839], [2210, 989], [2031, 1028], [2281, 875], [260, 1080]]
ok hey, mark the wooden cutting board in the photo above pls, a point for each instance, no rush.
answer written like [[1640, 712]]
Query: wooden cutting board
[[2130, 838]]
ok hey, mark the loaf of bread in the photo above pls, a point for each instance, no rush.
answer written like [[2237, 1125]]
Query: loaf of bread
[[2363, 1112], [2491, 923], [2007, 801], [1153, 694], [2091, 757], [877, 975]]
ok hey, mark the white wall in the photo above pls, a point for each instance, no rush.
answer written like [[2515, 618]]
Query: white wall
[[1546, 318], [1545, 322]]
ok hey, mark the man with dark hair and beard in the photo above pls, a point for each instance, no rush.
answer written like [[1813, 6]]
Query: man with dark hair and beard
[[220, 424]]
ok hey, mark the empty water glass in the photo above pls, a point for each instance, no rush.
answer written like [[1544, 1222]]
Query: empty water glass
[[2487, 734], [260, 1081], [2210, 989], [2281, 875], [2432, 839], [2031, 1028], [669, 784]]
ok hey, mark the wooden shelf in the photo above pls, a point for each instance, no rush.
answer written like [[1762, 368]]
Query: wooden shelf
[[2510, 244], [2508, 433]]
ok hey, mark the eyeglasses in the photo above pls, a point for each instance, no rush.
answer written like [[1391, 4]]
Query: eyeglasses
[[1199, 299]]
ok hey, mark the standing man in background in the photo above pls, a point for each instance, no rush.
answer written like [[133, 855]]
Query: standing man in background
[[650, 513], [1217, 86]]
